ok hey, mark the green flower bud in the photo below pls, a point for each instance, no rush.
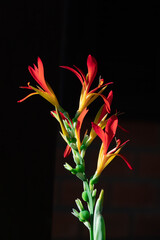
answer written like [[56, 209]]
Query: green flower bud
[[85, 196], [84, 216], [80, 168]]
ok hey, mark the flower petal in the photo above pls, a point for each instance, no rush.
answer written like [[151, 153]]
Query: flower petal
[[75, 72], [123, 129], [125, 160], [38, 75], [29, 95], [82, 73], [102, 112], [99, 131], [110, 130], [107, 103], [67, 151], [92, 69], [78, 127], [80, 119], [100, 86], [110, 97]]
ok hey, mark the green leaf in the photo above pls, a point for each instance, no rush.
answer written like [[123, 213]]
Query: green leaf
[[99, 230], [98, 221]]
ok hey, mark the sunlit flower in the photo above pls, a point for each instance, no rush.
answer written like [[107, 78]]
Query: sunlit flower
[[100, 118], [105, 156], [87, 96], [43, 89]]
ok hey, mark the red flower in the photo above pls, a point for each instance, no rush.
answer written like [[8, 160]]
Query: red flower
[[87, 97], [105, 156], [43, 89]]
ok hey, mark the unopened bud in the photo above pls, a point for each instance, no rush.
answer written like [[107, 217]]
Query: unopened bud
[[85, 196], [84, 216]]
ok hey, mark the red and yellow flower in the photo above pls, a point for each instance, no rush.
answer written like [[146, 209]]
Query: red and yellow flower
[[87, 96], [43, 89], [105, 156]]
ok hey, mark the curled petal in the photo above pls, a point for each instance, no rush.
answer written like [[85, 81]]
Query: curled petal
[[100, 86], [29, 95], [82, 73], [126, 161], [123, 129], [76, 73]]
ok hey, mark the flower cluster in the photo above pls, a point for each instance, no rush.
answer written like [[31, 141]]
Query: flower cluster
[[104, 126]]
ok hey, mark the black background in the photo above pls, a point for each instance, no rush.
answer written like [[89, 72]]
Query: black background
[[124, 38]]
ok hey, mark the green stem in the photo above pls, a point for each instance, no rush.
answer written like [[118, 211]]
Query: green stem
[[91, 208]]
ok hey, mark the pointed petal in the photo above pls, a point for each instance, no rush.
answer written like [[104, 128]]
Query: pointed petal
[[26, 87], [34, 73], [80, 118], [78, 127], [110, 130], [92, 69], [105, 108], [82, 73], [38, 75], [40, 67], [107, 103], [122, 145], [29, 95], [95, 89], [125, 160], [123, 129], [99, 131], [110, 97], [75, 72], [67, 151]]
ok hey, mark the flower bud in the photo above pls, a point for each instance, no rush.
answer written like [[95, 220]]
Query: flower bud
[[85, 196], [79, 168], [84, 216]]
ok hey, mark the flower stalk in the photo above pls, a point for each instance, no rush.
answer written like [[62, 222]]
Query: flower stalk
[[104, 126]]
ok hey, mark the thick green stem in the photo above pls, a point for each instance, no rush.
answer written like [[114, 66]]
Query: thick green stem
[[91, 208]]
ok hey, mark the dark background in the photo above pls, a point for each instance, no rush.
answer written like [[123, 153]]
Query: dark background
[[124, 38]]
